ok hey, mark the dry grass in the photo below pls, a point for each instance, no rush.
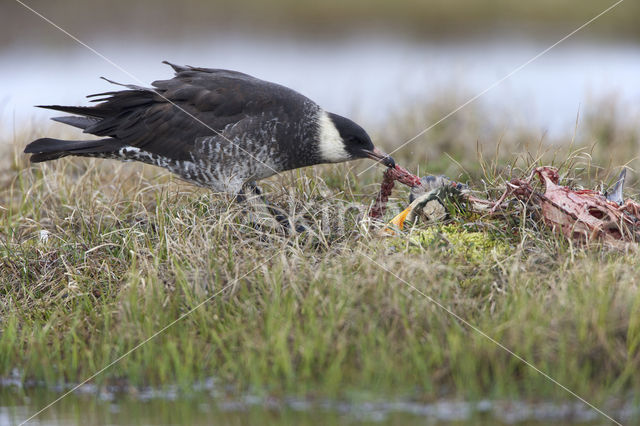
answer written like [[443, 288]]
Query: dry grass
[[130, 249]]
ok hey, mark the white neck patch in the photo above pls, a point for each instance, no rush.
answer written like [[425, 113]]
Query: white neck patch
[[331, 144]]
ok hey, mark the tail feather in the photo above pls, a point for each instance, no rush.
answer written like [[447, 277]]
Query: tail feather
[[79, 122], [54, 145], [48, 156], [110, 104], [46, 149], [88, 111], [102, 119]]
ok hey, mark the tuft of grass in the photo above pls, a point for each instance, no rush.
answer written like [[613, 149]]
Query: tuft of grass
[[129, 249]]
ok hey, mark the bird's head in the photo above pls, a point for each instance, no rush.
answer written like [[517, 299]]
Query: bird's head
[[340, 139]]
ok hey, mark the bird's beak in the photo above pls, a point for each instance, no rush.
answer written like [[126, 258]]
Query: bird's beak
[[399, 219], [381, 157]]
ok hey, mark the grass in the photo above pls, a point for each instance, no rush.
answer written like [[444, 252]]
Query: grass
[[130, 249]]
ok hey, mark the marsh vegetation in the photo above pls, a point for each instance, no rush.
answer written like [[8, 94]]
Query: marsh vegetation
[[97, 256]]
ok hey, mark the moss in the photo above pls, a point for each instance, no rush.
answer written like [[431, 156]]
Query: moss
[[473, 246]]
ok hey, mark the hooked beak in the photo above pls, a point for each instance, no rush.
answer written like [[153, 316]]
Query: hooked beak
[[381, 157]]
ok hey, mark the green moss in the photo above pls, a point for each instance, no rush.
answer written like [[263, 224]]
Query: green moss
[[472, 246]]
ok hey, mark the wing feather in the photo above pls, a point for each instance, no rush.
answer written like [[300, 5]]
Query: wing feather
[[168, 119]]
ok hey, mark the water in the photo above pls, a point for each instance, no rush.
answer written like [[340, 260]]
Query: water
[[365, 77], [206, 405]]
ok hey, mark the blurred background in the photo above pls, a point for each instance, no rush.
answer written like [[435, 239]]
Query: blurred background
[[396, 67]]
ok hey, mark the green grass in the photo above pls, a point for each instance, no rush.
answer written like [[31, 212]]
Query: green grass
[[130, 249]]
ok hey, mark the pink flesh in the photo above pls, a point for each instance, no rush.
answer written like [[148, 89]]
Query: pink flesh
[[391, 175]]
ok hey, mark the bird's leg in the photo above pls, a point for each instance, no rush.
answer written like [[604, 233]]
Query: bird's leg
[[254, 209], [259, 200]]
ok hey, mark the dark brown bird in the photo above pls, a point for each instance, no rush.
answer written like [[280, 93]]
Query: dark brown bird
[[217, 128]]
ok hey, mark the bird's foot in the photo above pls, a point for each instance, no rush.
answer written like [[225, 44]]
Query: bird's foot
[[264, 215]]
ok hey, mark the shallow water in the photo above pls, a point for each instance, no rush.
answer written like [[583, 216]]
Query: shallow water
[[208, 405], [366, 77]]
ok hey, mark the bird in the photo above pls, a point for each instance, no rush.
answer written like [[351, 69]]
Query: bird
[[216, 128]]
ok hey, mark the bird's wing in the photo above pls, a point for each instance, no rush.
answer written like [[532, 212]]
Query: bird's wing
[[169, 118]]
